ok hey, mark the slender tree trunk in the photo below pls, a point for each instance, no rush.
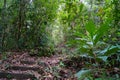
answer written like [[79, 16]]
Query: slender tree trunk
[[4, 24], [116, 13], [21, 21]]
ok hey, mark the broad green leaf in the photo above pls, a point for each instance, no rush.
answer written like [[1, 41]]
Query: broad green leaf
[[82, 74], [99, 43], [90, 27], [100, 32], [103, 58], [81, 7], [84, 49], [109, 50]]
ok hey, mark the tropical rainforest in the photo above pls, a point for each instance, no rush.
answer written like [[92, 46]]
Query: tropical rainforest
[[59, 39]]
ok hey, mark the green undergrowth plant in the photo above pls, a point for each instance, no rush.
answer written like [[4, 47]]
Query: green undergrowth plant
[[46, 45], [94, 74], [93, 46], [42, 51], [4, 56]]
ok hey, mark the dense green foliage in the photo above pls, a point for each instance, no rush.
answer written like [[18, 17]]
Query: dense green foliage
[[25, 24], [93, 30]]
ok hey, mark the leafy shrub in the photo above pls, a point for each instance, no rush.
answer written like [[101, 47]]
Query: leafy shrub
[[92, 44]]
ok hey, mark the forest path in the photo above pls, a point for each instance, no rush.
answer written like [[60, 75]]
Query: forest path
[[22, 66]]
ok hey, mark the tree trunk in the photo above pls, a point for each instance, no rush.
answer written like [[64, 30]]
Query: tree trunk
[[4, 25], [21, 16]]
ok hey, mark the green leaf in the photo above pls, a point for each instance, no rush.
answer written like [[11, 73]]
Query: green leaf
[[100, 33], [103, 58], [109, 50], [90, 27], [84, 49], [82, 74], [112, 50], [81, 7]]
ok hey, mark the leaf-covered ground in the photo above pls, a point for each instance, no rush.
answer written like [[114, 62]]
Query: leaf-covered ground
[[16, 65]]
